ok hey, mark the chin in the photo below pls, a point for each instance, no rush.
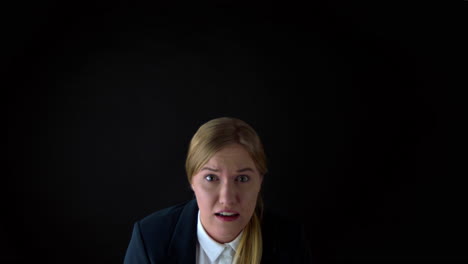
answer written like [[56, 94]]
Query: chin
[[228, 230]]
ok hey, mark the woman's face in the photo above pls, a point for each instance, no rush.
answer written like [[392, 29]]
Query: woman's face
[[226, 189]]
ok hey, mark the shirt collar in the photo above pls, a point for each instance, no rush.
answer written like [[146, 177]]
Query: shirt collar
[[212, 248]]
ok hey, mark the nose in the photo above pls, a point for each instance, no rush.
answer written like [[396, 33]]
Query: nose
[[228, 195]]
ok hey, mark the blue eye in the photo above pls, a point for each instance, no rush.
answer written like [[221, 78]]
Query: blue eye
[[210, 177], [243, 178]]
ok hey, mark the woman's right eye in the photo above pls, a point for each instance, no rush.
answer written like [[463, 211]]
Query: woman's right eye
[[210, 177]]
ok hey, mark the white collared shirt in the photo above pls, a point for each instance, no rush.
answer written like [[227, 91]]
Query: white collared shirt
[[211, 252]]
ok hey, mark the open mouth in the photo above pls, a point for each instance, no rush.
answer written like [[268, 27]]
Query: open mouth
[[227, 216]]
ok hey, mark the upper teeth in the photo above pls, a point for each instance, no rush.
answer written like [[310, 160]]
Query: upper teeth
[[226, 213]]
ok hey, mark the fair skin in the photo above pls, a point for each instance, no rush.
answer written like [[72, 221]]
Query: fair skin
[[228, 182]]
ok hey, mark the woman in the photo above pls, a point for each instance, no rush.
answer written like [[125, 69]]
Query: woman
[[225, 167]]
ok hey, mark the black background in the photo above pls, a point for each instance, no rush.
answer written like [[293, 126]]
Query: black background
[[356, 104]]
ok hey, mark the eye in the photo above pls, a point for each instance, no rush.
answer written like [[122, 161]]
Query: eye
[[243, 178], [210, 177]]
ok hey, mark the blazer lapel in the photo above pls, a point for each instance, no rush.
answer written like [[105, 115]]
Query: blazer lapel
[[184, 240]]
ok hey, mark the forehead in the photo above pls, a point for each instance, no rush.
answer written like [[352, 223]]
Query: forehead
[[232, 156]]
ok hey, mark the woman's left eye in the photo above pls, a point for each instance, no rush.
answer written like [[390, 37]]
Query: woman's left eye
[[243, 178]]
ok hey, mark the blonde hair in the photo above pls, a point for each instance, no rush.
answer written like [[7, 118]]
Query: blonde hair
[[209, 139]]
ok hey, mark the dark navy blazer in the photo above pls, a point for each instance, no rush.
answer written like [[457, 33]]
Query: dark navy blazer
[[170, 236]]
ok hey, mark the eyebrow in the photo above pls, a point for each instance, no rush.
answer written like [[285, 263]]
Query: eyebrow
[[210, 169], [245, 169], [216, 170]]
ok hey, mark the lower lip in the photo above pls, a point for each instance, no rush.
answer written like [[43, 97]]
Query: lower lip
[[227, 218]]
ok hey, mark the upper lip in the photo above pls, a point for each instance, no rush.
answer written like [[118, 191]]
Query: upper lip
[[227, 211]]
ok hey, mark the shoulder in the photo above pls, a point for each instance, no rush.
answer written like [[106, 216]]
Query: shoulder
[[155, 235], [158, 227], [163, 217]]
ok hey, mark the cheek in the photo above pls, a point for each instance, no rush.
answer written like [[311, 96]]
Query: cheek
[[251, 195], [250, 198], [205, 197]]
